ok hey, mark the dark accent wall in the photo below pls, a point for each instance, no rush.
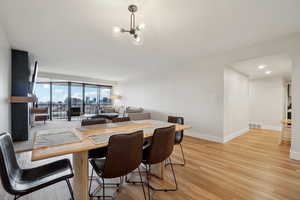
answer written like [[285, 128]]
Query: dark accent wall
[[20, 87]]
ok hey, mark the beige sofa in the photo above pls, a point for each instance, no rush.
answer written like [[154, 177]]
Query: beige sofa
[[137, 113], [139, 116]]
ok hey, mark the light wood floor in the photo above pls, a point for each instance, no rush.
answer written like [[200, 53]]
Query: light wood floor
[[250, 167]]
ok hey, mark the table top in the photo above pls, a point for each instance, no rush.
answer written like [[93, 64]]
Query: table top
[[86, 143]]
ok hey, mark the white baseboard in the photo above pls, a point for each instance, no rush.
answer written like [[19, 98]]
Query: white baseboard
[[294, 155], [267, 126], [203, 136], [235, 134], [270, 127]]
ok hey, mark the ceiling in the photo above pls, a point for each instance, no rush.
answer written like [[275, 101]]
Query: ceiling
[[278, 65], [75, 37]]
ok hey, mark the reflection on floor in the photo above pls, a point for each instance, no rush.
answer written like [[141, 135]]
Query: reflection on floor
[[250, 167]]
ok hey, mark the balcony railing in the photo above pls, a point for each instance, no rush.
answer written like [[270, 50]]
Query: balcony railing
[[59, 110]]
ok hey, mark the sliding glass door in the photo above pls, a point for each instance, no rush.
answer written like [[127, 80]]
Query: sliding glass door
[[59, 97], [105, 95], [59, 100], [77, 96], [91, 99], [42, 91]]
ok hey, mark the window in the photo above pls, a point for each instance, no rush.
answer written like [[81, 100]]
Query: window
[[59, 100], [91, 99], [42, 92], [88, 97], [77, 95], [105, 96]]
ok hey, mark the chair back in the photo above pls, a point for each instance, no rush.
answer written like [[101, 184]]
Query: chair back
[[74, 111], [162, 145], [124, 154], [178, 134], [120, 119], [88, 122], [39, 110], [9, 168]]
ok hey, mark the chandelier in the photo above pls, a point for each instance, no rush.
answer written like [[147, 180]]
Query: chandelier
[[134, 30]]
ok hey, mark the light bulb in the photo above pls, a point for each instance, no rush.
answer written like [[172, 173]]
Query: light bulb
[[141, 27], [116, 31], [268, 72], [262, 66], [138, 39]]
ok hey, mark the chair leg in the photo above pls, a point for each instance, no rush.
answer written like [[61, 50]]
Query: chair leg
[[141, 179], [148, 181], [183, 158], [103, 189], [16, 197], [91, 182], [70, 189], [174, 175], [165, 189]]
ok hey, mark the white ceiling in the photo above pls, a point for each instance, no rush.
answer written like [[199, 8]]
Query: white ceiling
[[74, 36], [279, 65]]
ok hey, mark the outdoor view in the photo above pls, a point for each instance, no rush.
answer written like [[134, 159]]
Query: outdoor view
[[88, 98]]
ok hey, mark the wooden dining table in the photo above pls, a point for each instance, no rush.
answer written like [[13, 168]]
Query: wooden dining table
[[80, 149]]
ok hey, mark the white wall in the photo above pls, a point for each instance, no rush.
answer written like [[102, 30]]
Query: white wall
[[194, 91], [46, 76], [4, 82], [267, 102], [203, 87], [236, 104], [295, 147]]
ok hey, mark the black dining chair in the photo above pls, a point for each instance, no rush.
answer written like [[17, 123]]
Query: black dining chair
[[20, 182], [178, 136], [159, 151], [120, 119], [124, 155], [89, 122]]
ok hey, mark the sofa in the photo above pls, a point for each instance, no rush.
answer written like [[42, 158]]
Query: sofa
[[137, 113], [134, 113]]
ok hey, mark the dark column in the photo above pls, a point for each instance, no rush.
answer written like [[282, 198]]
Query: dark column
[[50, 101], [69, 101], [83, 98]]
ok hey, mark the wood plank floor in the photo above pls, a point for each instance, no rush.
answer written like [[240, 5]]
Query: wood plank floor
[[250, 167]]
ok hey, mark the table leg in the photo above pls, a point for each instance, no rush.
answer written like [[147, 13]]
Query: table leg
[[158, 170], [80, 165]]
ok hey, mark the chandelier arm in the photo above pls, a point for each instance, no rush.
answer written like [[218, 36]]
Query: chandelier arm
[[132, 21]]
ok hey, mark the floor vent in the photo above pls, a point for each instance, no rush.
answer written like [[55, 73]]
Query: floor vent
[[254, 126]]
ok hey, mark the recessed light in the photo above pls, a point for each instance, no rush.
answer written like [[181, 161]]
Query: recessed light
[[262, 66], [268, 72]]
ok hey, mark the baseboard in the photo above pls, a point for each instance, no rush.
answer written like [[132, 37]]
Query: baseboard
[[267, 126], [235, 134], [270, 127], [294, 155], [203, 136]]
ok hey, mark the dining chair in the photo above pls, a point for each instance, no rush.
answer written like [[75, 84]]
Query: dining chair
[[100, 152], [88, 122], [120, 119], [178, 136], [159, 151], [20, 182], [124, 155]]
